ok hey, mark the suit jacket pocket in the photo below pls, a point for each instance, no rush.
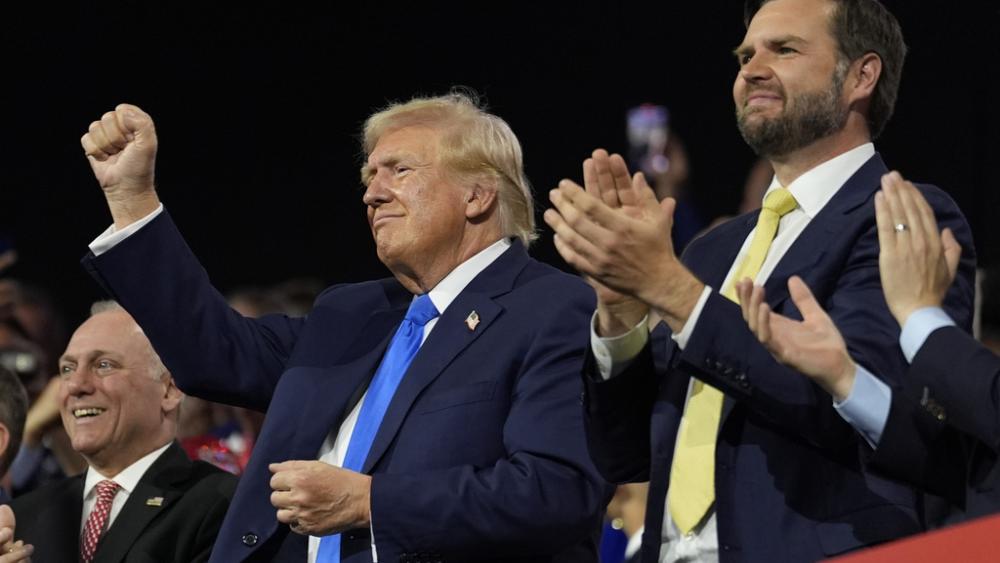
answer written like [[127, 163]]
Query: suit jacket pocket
[[472, 393]]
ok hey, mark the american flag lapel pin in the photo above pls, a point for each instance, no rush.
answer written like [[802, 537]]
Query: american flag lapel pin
[[154, 501], [472, 321]]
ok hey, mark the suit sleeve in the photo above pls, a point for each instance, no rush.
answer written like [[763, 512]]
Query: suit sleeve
[[211, 350], [927, 443], [542, 496], [963, 376], [618, 411], [723, 352], [919, 448]]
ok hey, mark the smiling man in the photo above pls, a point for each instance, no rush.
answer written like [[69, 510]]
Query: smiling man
[[430, 416], [141, 498], [747, 460]]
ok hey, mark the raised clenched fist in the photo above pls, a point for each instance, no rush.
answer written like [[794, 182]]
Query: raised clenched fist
[[121, 148]]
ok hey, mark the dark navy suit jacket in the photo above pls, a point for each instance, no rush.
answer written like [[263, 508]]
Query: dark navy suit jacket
[[481, 454], [943, 429], [179, 528], [790, 479]]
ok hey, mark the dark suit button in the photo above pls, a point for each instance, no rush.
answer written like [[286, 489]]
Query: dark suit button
[[250, 539], [726, 547], [708, 362]]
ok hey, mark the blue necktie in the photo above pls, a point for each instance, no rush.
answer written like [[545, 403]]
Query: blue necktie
[[397, 359]]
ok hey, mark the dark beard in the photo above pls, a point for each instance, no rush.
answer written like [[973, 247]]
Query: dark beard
[[805, 119]]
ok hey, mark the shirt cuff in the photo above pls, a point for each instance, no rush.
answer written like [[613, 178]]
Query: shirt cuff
[[615, 354], [920, 324], [110, 237], [866, 407], [682, 337]]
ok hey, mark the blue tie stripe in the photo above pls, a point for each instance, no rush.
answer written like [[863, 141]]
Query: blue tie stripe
[[402, 349]]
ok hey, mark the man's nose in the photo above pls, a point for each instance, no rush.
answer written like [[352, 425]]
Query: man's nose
[[78, 382], [377, 191], [757, 68]]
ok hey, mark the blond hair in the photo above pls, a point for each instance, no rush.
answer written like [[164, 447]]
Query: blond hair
[[474, 144]]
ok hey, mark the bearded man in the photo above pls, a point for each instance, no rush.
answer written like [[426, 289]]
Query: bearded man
[[748, 460]]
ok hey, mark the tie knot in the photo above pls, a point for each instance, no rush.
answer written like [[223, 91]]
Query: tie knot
[[107, 489], [780, 201], [421, 310]]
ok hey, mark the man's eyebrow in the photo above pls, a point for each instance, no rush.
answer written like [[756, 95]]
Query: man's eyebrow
[[89, 354], [773, 42], [368, 169], [783, 39]]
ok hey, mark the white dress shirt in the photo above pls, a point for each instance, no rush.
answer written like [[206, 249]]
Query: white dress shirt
[[812, 191], [127, 480]]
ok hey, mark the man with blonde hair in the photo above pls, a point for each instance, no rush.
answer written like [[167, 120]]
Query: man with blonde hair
[[13, 410], [431, 416]]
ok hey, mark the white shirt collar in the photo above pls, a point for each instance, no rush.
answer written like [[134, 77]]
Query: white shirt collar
[[448, 289], [814, 189], [129, 477]]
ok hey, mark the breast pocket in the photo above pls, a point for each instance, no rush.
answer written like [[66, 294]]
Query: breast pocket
[[463, 395]]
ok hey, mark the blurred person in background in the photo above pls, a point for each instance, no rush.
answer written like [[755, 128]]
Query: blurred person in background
[[658, 151], [13, 410]]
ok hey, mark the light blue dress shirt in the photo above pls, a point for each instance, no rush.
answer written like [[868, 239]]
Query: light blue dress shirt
[[866, 407]]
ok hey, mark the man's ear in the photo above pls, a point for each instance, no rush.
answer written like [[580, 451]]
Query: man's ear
[[172, 396], [863, 76], [480, 199]]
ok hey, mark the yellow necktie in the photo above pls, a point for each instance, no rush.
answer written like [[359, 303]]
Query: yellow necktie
[[692, 476]]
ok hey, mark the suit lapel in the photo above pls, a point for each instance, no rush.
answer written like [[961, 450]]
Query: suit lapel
[[711, 263], [62, 517], [152, 495], [451, 335], [810, 246], [335, 387]]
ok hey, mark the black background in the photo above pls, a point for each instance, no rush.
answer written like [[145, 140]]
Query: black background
[[257, 111]]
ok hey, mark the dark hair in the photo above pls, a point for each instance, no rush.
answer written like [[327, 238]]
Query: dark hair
[[13, 410], [861, 27]]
